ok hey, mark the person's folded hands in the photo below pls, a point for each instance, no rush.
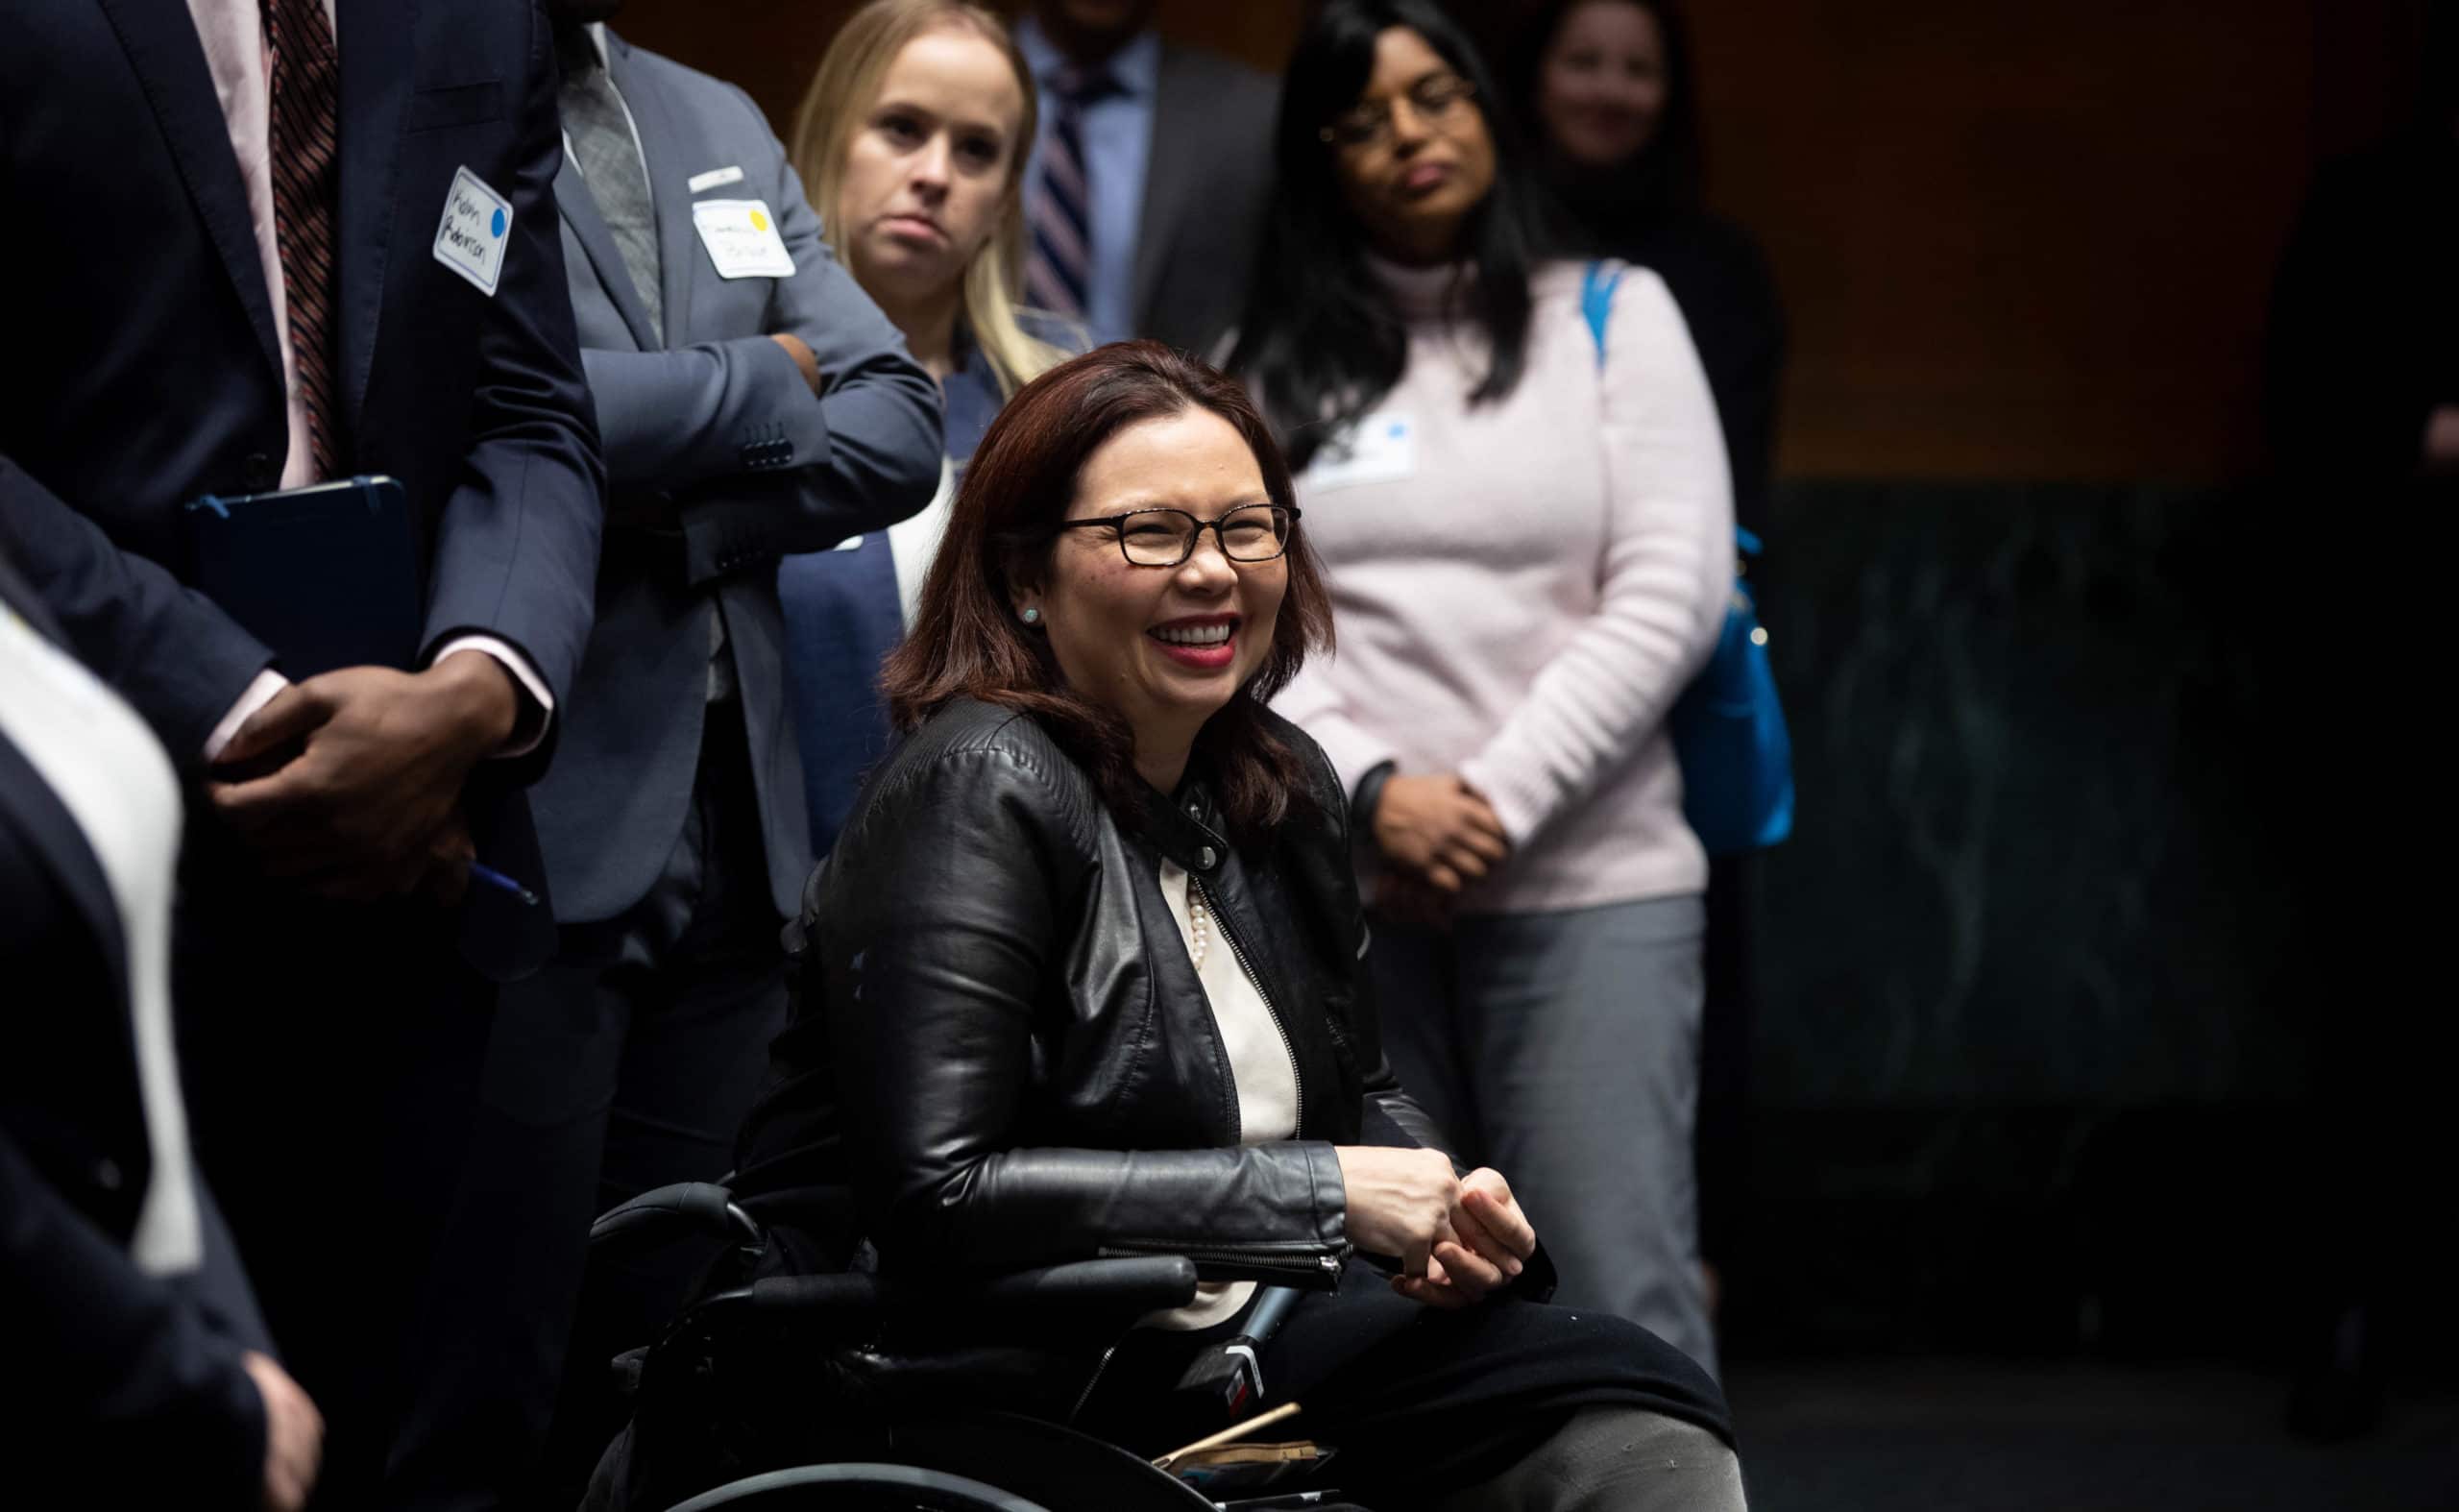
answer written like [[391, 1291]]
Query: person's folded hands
[[1439, 829], [1491, 1240]]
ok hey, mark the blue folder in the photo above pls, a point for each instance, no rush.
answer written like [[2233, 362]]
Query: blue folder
[[328, 577]]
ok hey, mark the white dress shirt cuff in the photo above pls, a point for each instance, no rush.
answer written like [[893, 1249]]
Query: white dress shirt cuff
[[259, 693], [531, 727]]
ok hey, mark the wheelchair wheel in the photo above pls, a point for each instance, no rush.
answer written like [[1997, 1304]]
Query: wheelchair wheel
[[985, 1462], [858, 1488]]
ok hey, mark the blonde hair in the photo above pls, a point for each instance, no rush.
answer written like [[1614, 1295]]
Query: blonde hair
[[841, 94]]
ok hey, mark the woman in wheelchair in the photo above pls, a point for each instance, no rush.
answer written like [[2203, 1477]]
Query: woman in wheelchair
[[1082, 979]]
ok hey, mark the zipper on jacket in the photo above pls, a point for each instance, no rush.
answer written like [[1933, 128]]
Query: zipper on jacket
[[1094, 1380], [1319, 1260], [1238, 953]]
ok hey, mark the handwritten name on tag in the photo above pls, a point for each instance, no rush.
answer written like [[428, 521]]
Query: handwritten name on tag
[[742, 238], [478, 223]]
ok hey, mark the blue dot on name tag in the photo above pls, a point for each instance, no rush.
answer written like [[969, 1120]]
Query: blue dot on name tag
[[1395, 431], [495, 224]]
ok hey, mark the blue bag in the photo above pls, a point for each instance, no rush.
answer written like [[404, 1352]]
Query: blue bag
[[1728, 727]]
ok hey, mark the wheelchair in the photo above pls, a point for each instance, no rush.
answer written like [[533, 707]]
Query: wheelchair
[[850, 1391]]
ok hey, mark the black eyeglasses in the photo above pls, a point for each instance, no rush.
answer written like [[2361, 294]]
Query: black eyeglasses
[[1167, 537], [1431, 99]]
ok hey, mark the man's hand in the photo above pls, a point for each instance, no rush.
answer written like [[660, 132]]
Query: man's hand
[[804, 358], [293, 1435], [1440, 829], [448, 863], [363, 810]]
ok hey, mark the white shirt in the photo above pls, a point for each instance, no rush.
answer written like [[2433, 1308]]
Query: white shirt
[[1260, 1066]]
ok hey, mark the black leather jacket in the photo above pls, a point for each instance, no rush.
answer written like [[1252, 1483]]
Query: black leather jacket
[[1000, 1041]]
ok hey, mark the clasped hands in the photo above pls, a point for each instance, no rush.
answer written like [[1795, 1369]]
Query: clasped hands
[[1437, 835], [1457, 1237], [350, 783]]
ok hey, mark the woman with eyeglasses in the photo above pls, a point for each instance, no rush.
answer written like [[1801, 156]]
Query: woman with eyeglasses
[[1527, 529], [912, 140], [1083, 978]]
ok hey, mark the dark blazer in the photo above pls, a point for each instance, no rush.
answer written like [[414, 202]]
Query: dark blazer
[[720, 461], [119, 1375], [1000, 1044], [145, 369], [843, 616], [1205, 186]]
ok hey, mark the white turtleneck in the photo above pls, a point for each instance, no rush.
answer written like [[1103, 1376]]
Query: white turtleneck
[[1524, 588]]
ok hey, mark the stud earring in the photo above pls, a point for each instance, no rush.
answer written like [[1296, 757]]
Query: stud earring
[[1031, 617]]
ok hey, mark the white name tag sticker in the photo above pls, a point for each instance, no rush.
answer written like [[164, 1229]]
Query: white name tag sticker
[[1381, 447], [477, 222], [714, 178], [742, 238]]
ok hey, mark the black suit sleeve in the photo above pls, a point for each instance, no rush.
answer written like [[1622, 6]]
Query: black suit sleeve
[[516, 552], [123, 1380], [178, 659]]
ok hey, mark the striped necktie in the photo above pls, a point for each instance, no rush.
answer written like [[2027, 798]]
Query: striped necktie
[[304, 108], [1058, 268]]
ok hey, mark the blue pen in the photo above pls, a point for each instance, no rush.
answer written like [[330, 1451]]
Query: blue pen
[[497, 879]]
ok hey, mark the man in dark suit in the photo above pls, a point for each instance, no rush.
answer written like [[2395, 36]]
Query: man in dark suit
[[303, 239], [1146, 194], [754, 403], [135, 1335]]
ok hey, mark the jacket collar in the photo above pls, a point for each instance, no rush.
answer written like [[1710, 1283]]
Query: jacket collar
[[161, 44], [1185, 826]]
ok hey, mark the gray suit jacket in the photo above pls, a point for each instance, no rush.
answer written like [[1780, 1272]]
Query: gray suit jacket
[[1205, 186], [719, 460]]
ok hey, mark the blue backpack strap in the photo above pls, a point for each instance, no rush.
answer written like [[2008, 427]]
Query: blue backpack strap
[[1596, 302]]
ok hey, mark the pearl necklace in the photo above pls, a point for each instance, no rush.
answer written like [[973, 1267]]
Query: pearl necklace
[[1199, 922]]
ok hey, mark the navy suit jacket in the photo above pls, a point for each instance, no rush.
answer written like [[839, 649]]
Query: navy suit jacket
[[719, 460], [144, 369], [124, 1376]]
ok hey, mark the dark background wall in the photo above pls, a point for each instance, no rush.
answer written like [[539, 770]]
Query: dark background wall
[[2017, 240]]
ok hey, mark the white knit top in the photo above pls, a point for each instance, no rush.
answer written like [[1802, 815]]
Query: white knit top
[[1265, 1077], [1521, 590]]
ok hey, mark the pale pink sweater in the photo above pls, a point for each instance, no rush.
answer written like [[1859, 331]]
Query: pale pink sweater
[[1523, 590]]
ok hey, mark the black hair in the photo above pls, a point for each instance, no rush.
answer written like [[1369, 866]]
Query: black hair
[[1666, 178], [1321, 340]]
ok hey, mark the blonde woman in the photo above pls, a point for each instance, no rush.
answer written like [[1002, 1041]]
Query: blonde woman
[[911, 140]]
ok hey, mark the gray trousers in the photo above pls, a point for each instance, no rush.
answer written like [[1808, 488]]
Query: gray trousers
[[1562, 1048], [1615, 1459]]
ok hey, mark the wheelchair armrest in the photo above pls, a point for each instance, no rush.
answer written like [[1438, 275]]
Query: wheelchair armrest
[[1138, 1285], [682, 1211], [1079, 1294]]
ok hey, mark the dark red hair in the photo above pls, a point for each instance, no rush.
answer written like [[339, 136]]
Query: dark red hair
[[968, 644]]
